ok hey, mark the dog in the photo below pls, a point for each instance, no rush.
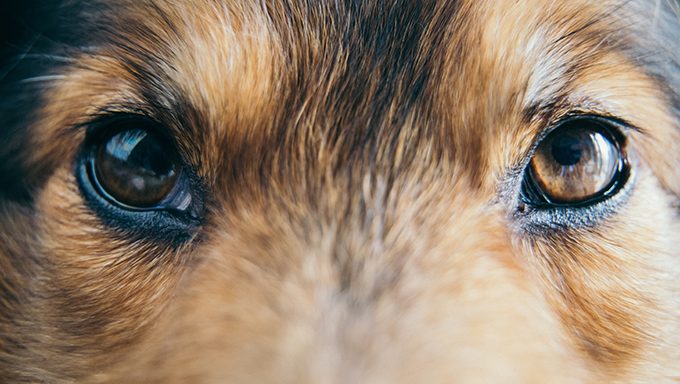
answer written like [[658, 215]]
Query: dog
[[298, 191]]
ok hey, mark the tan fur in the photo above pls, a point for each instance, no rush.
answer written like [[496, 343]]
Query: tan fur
[[399, 260]]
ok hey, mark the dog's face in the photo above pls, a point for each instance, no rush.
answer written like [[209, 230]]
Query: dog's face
[[299, 191]]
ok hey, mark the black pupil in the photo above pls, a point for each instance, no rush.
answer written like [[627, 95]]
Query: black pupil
[[136, 167], [139, 150], [567, 149]]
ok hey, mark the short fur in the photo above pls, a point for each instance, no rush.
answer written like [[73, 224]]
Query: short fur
[[361, 163]]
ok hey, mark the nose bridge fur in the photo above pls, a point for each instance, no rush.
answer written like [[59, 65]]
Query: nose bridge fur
[[363, 229], [355, 295]]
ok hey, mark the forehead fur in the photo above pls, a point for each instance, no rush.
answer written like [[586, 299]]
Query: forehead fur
[[399, 80]]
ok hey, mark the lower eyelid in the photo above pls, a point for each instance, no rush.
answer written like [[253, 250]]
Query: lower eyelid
[[595, 134]]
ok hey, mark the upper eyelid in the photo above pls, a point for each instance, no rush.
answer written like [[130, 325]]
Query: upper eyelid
[[622, 127], [102, 115], [549, 113], [114, 111]]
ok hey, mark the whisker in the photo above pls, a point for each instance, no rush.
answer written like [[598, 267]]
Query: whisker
[[44, 78], [11, 67], [44, 56]]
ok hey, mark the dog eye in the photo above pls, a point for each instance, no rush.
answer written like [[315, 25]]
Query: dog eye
[[579, 162], [133, 168], [136, 167], [131, 175]]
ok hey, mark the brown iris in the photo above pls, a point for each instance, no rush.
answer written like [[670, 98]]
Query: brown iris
[[136, 167], [579, 161]]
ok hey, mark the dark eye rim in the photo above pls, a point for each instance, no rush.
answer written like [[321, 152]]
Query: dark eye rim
[[613, 129], [103, 132], [164, 223]]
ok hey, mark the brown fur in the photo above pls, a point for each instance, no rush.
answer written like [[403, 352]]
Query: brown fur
[[361, 163]]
